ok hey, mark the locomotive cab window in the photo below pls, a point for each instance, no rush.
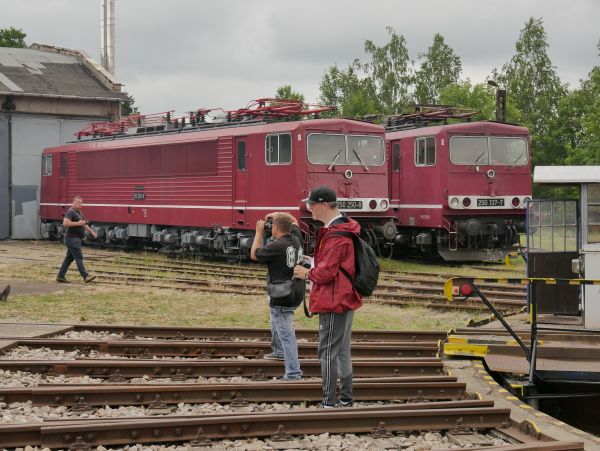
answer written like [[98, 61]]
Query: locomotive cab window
[[425, 151], [47, 164], [333, 149], [484, 150], [396, 157], [241, 156], [278, 149]]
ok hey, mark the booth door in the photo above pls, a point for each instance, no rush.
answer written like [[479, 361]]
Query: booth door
[[552, 244]]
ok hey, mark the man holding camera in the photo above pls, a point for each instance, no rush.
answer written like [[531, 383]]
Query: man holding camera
[[75, 226], [333, 295], [285, 293]]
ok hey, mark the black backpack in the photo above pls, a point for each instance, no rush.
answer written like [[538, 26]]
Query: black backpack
[[366, 265]]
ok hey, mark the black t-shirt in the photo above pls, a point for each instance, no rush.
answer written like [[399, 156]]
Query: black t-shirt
[[281, 256], [75, 215]]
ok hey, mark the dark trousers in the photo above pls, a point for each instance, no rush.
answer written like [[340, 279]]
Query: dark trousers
[[73, 253], [335, 338]]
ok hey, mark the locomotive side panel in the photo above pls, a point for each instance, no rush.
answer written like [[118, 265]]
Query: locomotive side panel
[[419, 198]]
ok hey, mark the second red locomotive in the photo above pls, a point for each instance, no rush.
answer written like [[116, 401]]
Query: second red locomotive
[[458, 190]]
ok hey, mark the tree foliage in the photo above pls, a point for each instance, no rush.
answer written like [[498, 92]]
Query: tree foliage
[[440, 68], [287, 93], [536, 89], [391, 72], [12, 37], [351, 93]]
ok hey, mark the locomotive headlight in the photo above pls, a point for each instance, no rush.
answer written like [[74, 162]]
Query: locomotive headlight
[[454, 202], [516, 202], [525, 200], [372, 204], [383, 204], [466, 202]]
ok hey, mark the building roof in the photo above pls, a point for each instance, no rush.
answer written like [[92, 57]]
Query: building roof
[[566, 174], [46, 71]]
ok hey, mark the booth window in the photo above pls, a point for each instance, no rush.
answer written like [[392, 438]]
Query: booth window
[[593, 213]]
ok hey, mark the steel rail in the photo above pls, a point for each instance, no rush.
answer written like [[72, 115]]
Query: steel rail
[[117, 370], [418, 284], [84, 396], [260, 288], [403, 299], [536, 446], [14, 435], [233, 333], [217, 349], [379, 422]]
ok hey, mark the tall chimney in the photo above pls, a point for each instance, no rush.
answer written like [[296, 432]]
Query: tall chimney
[[107, 35]]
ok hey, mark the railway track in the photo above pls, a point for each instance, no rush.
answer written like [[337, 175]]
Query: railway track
[[246, 279], [162, 400]]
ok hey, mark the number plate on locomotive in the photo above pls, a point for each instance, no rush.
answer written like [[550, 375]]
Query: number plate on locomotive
[[490, 202], [350, 204]]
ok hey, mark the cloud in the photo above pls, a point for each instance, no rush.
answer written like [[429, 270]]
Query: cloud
[[187, 53]]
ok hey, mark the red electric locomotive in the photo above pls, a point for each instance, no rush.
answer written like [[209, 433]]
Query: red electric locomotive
[[200, 187], [457, 190]]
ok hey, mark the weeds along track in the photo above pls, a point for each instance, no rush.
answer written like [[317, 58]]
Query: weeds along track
[[98, 386]]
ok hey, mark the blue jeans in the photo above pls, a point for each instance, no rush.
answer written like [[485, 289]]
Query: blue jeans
[[73, 254], [283, 340]]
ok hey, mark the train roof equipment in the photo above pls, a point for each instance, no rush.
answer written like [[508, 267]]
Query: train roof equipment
[[426, 115], [259, 110]]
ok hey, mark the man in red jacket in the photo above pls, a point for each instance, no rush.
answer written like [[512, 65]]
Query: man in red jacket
[[333, 295]]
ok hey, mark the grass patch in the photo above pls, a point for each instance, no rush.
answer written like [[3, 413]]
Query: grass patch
[[98, 304]]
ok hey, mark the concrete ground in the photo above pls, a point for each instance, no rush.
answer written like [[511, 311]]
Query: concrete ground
[[479, 381]]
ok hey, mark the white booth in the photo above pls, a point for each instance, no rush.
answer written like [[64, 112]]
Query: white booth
[[587, 266]]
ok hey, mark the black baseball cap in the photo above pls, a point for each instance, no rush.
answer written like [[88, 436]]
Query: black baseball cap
[[321, 194]]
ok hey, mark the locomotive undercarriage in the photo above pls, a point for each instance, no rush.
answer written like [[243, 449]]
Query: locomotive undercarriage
[[218, 242], [481, 239]]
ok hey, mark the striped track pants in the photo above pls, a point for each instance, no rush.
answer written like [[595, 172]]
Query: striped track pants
[[335, 336]]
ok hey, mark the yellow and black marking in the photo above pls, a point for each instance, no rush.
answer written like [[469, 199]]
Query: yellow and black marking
[[453, 286], [508, 258]]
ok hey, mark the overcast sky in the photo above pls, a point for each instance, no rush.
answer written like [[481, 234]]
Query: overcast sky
[[186, 54]]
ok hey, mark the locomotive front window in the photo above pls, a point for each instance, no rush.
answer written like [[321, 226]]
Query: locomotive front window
[[345, 150], [469, 150], [326, 149], [278, 149], [365, 150], [508, 151], [483, 150]]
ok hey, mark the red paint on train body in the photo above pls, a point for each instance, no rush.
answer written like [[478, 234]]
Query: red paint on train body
[[460, 189], [225, 176]]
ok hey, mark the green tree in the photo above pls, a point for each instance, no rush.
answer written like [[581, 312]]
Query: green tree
[[12, 37], [535, 88], [579, 121], [441, 67], [128, 107], [480, 97], [391, 71], [287, 93], [349, 91]]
